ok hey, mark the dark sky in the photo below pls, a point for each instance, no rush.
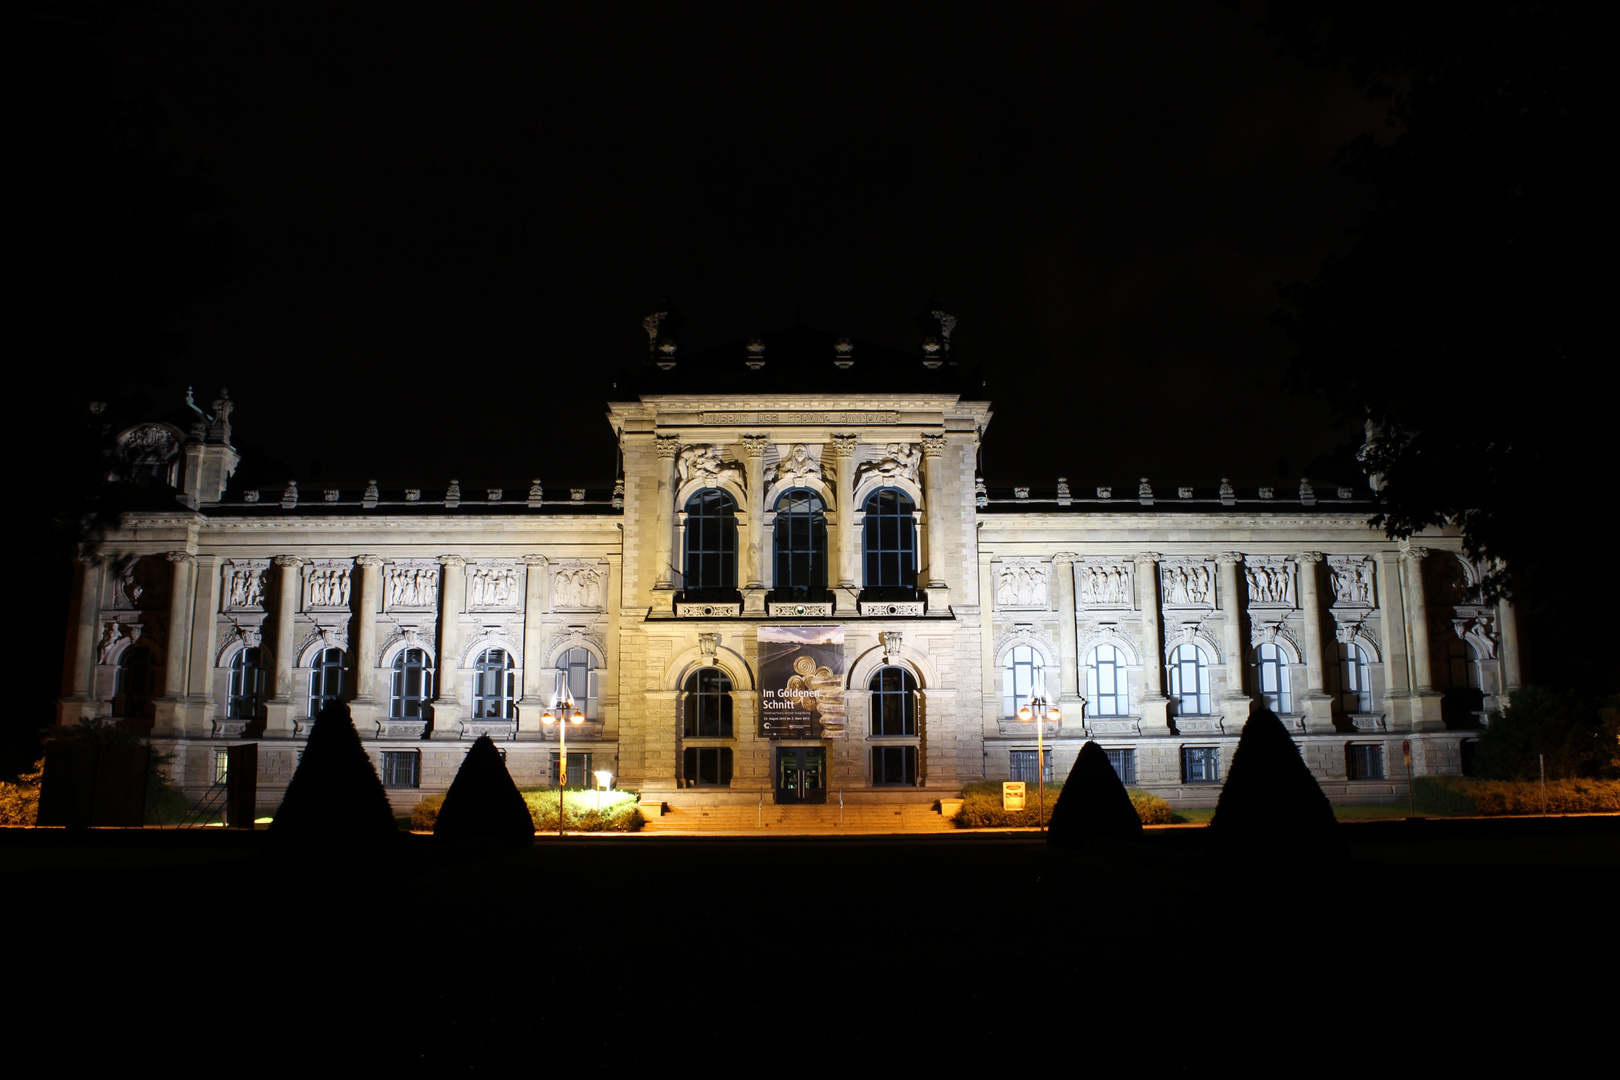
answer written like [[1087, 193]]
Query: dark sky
[[449, 220]]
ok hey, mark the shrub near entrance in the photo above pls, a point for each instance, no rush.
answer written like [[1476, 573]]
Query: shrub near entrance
[[483, 803], [1271, 805], [1094, 804], [335, 794]]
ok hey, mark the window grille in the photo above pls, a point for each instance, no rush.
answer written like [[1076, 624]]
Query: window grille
[[1124, 762], [401, 768], [707, 766], [1022, 765], [894, 765], [1364, 761], [1200, 765]]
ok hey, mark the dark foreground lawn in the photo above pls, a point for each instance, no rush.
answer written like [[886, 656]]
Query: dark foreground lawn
[[1438, 945]]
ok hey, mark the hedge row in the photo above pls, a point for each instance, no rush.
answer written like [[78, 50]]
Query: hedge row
[[1458, 796], [981, 807], [620, 811]]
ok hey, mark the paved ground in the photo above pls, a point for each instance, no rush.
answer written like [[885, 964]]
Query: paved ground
[[1432, 945]]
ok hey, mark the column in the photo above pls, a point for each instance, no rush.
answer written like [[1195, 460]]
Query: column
[[365, 650], [934, 492], [1235, 704], [663, 545], [1426, 714], [1063, 571], [843, 455], [452, 594], [1318, 702], [1507, 619], [1155, 706], [279, 709], [204, 634], [1392, 627], [80, 682], [168, 707], [754, 568], [532, 705]]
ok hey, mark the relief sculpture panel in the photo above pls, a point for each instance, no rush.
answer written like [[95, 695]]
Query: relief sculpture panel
[[1023, 584]]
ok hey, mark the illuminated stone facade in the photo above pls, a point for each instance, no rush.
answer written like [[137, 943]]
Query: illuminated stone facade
[[1155, 619]]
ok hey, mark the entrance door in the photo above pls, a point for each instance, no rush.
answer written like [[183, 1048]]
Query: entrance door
[[801, 774]]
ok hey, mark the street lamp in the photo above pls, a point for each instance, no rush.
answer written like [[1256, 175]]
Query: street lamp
[[570, 712], [1037, 709]]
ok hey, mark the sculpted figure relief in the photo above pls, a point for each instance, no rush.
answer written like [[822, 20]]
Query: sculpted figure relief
[[247, 587], [703, 462], [1268, 584], [578, 587], [799, 465], [1022, 585], [1103, 585], [899, 461], [493, 587], [1186, 584], [412, 586], [329, 586], [1352, 581]]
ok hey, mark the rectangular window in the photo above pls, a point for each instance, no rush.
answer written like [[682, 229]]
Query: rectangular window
[[401, 768], [707, 766], [222, 765], [1364, 761], [1022, 765], [1200, 765], [1124, 763], [579, 769], [894, 765]]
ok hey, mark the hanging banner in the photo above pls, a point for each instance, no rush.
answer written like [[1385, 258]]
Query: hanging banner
[[801, 680]]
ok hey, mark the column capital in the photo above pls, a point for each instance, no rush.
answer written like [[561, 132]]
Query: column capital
[[933, 445], [529, 560], [1412, 553], [1065, 558], [1305, 558], [842, 446], [667, 446], [368, 560], [89, 559], [456, 561], [1147, 558], [286, 562], [754, 445], [1229, 558], [180, 556]]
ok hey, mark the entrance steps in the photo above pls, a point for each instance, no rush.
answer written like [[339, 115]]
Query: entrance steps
[[876, 818]]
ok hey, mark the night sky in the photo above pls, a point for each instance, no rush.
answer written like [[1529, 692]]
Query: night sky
[[448, 222]]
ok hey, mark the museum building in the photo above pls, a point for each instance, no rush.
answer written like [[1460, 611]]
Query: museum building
[[797, 588]]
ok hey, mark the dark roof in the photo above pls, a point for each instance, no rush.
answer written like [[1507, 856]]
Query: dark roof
[[798, 360]]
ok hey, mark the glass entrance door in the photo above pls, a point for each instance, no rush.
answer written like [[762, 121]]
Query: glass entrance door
[[801, 774]]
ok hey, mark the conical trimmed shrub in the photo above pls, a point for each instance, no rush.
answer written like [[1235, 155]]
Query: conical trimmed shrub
[[1271, 804], [1094, 804], [335, 794], [483, 803]]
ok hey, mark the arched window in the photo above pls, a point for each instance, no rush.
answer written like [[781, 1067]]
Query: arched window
[[493, 685], [134, 682], [889, 541], [801, 541], [894, 702], [245, 700], [1355, 683], [412, 685], [1189, 680], [578, 669], [1271, 678], [325, 680], [711, 541], [1462, 695], [1021, 677], [708, 704], [1106, 694]]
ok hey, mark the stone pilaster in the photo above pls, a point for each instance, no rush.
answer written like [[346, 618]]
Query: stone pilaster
[[842, 449], [364, 706], [532, 704], [1235, 704], [204, 636], [452, 594], [754, 568], [1154, 704], [1392, 626], [934, 491], [169, 711], [1069, 693], [1507, 619], [1318, 702], [668, 447], [279, 709], [79, 681], [1426, 714]]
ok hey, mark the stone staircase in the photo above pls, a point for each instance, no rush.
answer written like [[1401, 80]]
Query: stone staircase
[[872, 818]]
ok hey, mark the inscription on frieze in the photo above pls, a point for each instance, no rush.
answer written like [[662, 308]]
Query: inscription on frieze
[[801, 416]]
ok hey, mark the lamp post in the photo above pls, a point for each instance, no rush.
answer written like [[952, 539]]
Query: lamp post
[[570, 715], [1037, 709]]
